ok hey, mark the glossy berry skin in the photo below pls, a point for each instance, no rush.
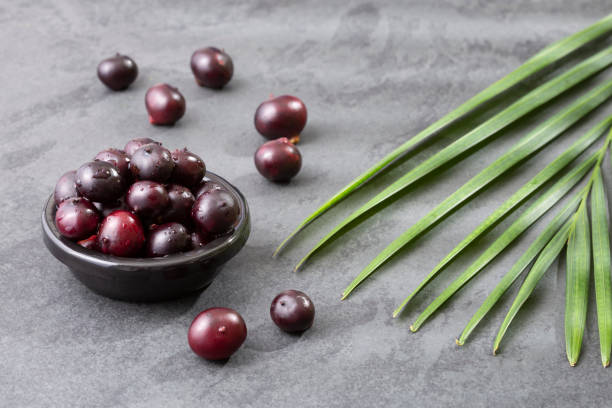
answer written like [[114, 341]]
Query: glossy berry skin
[[89, 243], [167, 239], [212, 67], [206, 185], [283, 116], [107, 208], [152, 162], [135, 144], [121, 234], [215, 212], [165, 104], [117, 72], [148, 199], [99, 181], [65, 187], [292, 311], [278, 160], [189, 168], [199, 241], [76, 218], [179, 206], [217, 333], [119, 159]]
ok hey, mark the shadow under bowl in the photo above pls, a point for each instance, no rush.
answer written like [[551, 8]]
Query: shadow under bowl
[[148, 279]]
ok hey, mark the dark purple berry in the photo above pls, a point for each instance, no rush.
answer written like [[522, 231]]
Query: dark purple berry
[[292, 311], [278, 160], [189, 168], [205, 186], [117, 72], [168, 239], [148, 199], [121, 234], [99, 181], [212, 67], [107, 208], [215, 212], [283, 116], [136, 144], [199, 240], [152, 162], [65, 187], [119, 159], [165, 104], [76, 218], [180, 202], [217, 333]]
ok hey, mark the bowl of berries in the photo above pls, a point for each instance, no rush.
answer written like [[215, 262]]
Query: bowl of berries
[[145, 224]]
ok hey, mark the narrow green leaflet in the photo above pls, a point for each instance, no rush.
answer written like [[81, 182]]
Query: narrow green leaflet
[[519, 267], [524, 221], [478, 135], [601, 265], [541, 265], [527, 146], [515, 200], [539, 61], [577, 283]]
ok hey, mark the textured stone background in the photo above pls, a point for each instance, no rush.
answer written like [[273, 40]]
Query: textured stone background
[[371, 74]]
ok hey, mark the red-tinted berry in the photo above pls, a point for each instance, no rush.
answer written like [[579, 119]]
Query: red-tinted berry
[[205, 186], [292, 311], [117, 72], [76, 218], [99, 181], [89, 243], [180, 202], [212, 67], [121, 234], [148, 199], [278, 160], [217, 333], [215, 212], [119, 159], [167, 239], [135, 144], [152, 162], [165, 104], [283, 116], [189, 168], [65, 187]]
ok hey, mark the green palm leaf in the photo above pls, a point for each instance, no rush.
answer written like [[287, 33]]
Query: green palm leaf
[[478, 135], [542, 264], [528, 145], [544, 58], [601, 266], [521, 265], [577, 283], [515, 200], [524, 221]]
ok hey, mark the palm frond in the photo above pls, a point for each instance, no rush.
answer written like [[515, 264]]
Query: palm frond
[[520, 266], [526, 191], [534, 99], [527, 146], [541, 60], [524, 221], [577, 283], [545, 259], [601, 266]]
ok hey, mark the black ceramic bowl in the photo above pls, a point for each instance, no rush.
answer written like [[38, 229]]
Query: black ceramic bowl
[[147, 279]]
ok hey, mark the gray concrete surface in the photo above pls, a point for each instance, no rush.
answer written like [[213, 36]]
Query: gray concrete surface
[[371, 74]]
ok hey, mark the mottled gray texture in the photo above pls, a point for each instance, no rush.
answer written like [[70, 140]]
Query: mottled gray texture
[[371, 73]]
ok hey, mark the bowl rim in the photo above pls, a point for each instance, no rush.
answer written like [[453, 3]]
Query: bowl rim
[[212, 249]]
